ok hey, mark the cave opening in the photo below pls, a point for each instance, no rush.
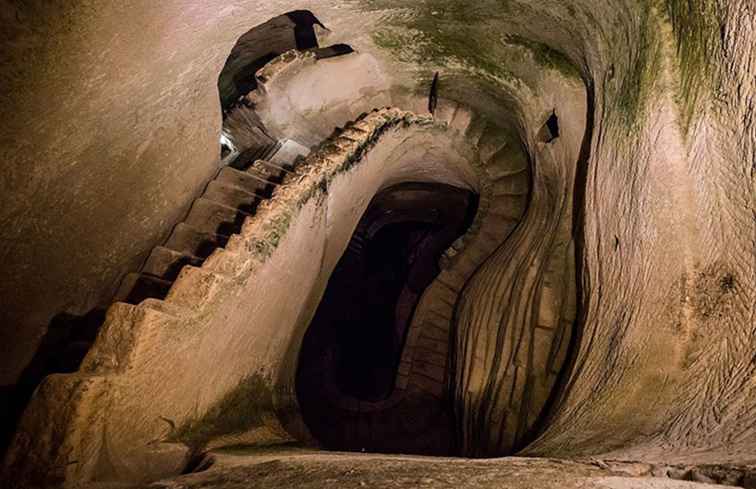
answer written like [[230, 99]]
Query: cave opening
[[550, 130], [243, 132], [367, 352], [259, 46], [354, 350]]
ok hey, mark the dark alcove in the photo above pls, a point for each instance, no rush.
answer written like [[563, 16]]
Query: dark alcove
[[352, 350]]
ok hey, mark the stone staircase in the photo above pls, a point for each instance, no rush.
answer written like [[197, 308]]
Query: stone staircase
[[213, 227], [503, 201], [135, 375], [250, 179], [232, 196], [228, 200]]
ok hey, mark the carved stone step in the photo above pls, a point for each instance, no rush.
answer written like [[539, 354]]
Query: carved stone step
[[356, 244], [249, 156], [190, 241], [427, 380], [258, 153], [500, 190], [289, 153], [137, 287], [451, 279], [231, 196], [475, 130], [211, 217], [507, 160], [434, 331], [245, 181], [432, 352], [495, 230], [265, 172], [441, 310], [497, 172], [480, 251], [465, 265], [440, 293], [491, 143], [281, 169], [269, 151], [166, 263], [514, 185]]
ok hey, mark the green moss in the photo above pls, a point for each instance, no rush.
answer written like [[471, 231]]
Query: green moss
[[461, 38], [278, 228], [377, 5], [436, 33], [239, 411], [547, 56], [697, 26], [388, 39], [397, 41], [316, 176], [637, 84], [697, 36]]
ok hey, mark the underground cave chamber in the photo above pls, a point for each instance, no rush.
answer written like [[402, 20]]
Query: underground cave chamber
[[373, 369], [415, 237]]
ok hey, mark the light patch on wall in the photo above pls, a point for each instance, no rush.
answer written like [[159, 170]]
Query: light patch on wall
[[226, 144]]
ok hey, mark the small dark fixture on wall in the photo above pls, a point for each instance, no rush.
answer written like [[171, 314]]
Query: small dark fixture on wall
[[433, 96]]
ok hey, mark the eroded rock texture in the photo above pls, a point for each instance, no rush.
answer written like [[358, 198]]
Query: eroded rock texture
[[600, 303]]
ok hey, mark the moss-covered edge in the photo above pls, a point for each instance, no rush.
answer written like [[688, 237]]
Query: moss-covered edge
[[434, 47], [314, 176], [697, 26], [633, 91], [546, 56]]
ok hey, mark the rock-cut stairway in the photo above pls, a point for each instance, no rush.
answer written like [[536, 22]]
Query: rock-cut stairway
[[227, 201], [219, 212]]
